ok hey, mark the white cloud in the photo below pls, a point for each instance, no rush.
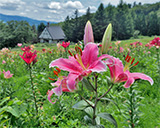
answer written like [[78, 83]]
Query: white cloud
[[92, 8], [22, 13], [35, 10], [113, 2], [11, 4], [73, 5], [83, 11], [54, 5]]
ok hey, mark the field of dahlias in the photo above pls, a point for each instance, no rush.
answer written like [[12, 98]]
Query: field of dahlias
[[75, 85]]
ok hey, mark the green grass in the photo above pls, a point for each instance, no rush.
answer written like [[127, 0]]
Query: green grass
[[62, 114]]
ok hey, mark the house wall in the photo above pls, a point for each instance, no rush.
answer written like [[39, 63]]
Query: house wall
[[45, 35]]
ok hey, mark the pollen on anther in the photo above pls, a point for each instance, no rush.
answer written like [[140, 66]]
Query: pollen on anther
[[80, 50], [70, 52], [58, 70], [126, 57], [136, 63], [129, 58], [51, 78], [132, 61], [75, 56], [56, 73], [76, 49]]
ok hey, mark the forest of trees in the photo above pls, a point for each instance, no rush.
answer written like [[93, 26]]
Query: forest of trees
[[128, 20]]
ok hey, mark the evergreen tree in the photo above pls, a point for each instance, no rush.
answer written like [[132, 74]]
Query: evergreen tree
[[67, 28], [99, 23], [41, 27], [124, 22], [152, 24]]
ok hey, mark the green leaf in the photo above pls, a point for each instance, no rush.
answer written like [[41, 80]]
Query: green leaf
[[111, 101], [108, 117], [4, 100], [89, 111], [106, 39], [81, 105], [87, 84], [12, 111], [88, 119]]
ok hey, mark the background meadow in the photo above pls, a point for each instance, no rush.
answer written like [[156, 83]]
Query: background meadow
[[17, 108], [134, 26]]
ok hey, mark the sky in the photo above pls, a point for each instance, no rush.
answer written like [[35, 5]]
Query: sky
[[55, 10]]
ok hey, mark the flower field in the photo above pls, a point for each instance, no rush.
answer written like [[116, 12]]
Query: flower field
[[81, 85]]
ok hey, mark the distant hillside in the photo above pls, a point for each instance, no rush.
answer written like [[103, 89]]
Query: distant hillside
[[6, 18]]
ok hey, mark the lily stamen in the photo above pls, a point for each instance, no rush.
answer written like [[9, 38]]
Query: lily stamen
[[70, 52]]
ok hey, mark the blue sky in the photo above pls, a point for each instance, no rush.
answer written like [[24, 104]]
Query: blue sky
[[55, 10]]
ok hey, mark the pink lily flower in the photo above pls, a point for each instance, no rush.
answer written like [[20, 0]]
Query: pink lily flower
[[65, 44], [119, 73], [7, 74], [155, 41], [60, 86], [3, 62], [81, 64], [19, 44], [88, 33]]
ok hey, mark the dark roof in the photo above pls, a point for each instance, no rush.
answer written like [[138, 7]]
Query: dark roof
[[56, 32]]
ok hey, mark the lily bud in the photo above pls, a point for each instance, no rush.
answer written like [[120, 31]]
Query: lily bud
[[88, 33], [106, 39]]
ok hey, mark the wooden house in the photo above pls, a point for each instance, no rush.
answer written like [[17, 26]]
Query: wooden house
[[52, 34]]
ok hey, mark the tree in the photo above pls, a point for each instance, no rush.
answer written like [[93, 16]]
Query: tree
[[99, 23], [41, 27], [152, 24], [67, 28], [124, 24], [14, 32]]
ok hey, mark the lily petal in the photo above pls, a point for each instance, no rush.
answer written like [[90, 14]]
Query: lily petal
[[90, 54], [71, 81], [88, 33], [129, 82], [57, 90], [142, 76], [66, 64], [49, 97], [98, 66]]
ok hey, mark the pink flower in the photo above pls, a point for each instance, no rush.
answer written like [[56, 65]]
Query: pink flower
[[19, 44], [88, 33], [118, 42], [81, 64], [58, 45], [29, 57], [155, 41], [26, 49], [7, 74], [140, 44], [65, 44], [60, 86], [3, 62], [119, 73], [121, 49]]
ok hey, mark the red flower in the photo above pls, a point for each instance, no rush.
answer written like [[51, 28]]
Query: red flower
[[26, 49], [29, 57], [43, 50], [155, 41], [65, 44]]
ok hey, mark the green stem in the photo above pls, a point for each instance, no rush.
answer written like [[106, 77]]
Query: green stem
[[158, 59], [96, 101], [105, 92], [85, 100], [35, 102], [131, 107]]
